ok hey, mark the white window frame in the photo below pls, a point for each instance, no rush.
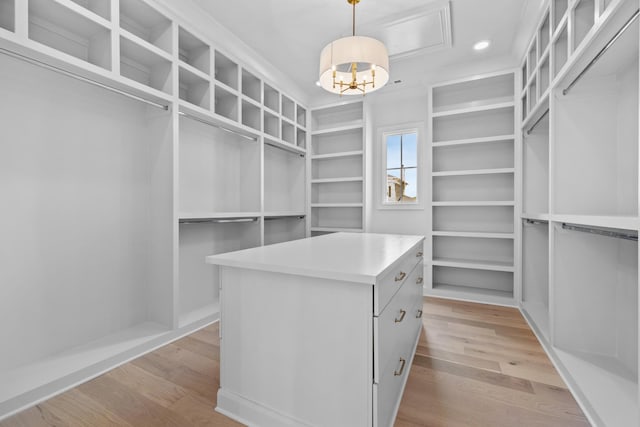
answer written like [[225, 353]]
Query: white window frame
[[381, 188]]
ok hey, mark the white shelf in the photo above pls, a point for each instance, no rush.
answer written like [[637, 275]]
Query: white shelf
[[337, 155], [278, 143], [469, 293], [623, 222], [474, 264], [274, 214], [473, 234], [475, 172], [194, 71], [475, 203], [337, 230], [535, 216], [217, 215], [331, 180], [493, 105], [337, 205], [482, 140], [207, 313], [145, 45], [339, 129]]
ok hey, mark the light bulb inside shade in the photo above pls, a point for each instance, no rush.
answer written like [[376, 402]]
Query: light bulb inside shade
[[318, 83], [373, 67], [481, 45]]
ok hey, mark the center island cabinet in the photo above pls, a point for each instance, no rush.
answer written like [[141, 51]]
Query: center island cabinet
[[319, 331]]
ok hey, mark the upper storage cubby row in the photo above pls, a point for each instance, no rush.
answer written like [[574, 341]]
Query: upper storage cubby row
[[150, 49], [561, 34]]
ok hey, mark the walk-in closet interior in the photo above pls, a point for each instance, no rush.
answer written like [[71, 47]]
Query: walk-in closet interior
[[163, 162]]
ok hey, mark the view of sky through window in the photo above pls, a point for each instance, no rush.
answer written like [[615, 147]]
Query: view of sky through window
[[402, 167]]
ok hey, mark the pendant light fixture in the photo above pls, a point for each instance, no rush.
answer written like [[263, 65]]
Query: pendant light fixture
[[354, 65]]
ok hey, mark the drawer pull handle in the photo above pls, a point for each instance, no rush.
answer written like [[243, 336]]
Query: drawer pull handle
[[400, 277], [419, 315], [397, 373], [419, 281], [401, 318], [419, 254]]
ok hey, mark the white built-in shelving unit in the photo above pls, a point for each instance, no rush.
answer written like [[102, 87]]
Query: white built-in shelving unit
[[337, 168], [473, 171], [116, 200], [580, 201]]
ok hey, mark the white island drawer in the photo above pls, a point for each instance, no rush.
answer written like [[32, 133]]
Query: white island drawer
[[387, 287], [395, 327]]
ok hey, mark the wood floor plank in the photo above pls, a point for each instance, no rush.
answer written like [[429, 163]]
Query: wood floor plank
[[476, 365]]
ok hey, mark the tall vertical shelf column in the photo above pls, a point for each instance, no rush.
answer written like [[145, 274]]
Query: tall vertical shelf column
[[337, 168], [473, 186]]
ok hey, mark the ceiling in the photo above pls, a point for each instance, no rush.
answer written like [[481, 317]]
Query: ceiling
[[291, 33]]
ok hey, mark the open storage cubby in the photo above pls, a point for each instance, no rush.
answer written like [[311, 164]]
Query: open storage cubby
[[544, 77], [251, 115], [560, 51], [143, 21], [251, 86], [486, 123], [485, 155], [535, 273], [283, 229], [271, 124], [345, 115], [145, 66], [497, 251], [583, 19], [340, 167], [535, 151], [226, 103], [596, 136], [194, 51], [288, 132], [301, 116], [338, 142], [488, 219], [194, 88], [596, 318], [337, 192], [489, 187], [8, 15], [337, 218], [271, 98], [199, 281], [533, 94], [97, 166], [284, 181], [58, 27], [472, 281], [532, 59], [226, 71], [219, 171], [288, 108], [474, 93], [301, 138], [544, 34]]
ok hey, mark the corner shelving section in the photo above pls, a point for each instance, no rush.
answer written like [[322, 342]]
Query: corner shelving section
[[580, 217], [473, 171], [337, 168]]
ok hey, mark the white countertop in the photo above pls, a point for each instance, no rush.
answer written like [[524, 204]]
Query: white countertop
[[352, 257]]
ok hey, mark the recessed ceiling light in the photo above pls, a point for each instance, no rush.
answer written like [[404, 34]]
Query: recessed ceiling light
[[481, 45]]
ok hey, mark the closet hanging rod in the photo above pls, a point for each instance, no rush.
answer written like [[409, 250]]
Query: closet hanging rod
[[198, 119], [536, 221], [282, 148], [273, 218], [600, 232], [537, 121], [602, 51], [81, 78], [217, 220]]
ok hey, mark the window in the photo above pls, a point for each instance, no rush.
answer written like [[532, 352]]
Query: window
[[401, 167]]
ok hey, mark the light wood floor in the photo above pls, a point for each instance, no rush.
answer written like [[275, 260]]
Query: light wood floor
[[476, 365]]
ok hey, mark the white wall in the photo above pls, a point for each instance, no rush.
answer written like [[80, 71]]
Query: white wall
[[391, 109]]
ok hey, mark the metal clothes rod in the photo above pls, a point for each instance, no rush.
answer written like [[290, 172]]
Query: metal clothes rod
[[536, 221], [198, 119], [282, 148], [600, 232], [602, 51], [537, 121], [81, 78], [217, 220], [273, 218]]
